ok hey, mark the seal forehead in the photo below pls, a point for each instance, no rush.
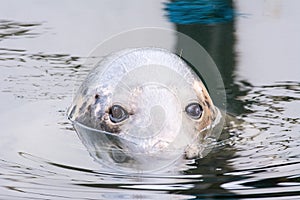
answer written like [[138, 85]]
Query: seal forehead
[[120, 64]]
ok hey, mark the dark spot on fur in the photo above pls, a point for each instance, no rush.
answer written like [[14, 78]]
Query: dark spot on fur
[[84, 92], [109, 128], [213, 115], [89, 108], [207, 103], [213, 111], [82, 108], [96, 96], [72, 112]]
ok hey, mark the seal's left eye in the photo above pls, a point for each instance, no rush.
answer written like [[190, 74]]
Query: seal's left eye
[[194, 110], [117, 114]]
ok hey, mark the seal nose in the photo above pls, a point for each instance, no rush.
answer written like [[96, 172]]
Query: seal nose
[[157, 117], [151, 120]]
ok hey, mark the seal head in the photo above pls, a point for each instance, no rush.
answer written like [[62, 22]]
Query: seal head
[[143, 102]]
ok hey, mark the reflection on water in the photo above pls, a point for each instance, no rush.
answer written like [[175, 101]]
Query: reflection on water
[[199, 12], [42, 158], [49, 74], [14, 30]]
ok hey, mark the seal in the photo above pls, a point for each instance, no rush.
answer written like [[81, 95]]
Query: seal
[[143, 102]]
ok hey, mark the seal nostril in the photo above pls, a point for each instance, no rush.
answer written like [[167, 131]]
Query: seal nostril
[[117, 114], [194, 110]]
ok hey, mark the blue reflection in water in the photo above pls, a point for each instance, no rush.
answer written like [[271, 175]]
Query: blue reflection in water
[[199, 11]]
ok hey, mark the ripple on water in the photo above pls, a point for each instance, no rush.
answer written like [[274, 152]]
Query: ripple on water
[[14, 30], [260, 159], [269, 163], [36, 76]]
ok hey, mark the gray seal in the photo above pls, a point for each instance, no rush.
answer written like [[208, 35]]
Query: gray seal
[[142, 105]]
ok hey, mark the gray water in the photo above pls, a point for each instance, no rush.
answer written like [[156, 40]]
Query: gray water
[[42, 50]]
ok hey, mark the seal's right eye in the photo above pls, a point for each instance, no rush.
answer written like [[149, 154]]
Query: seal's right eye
[[117, 114]]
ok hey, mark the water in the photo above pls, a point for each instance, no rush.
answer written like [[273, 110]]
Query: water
[[41, 60]]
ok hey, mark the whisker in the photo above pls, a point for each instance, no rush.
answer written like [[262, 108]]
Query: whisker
[[125, 86]]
